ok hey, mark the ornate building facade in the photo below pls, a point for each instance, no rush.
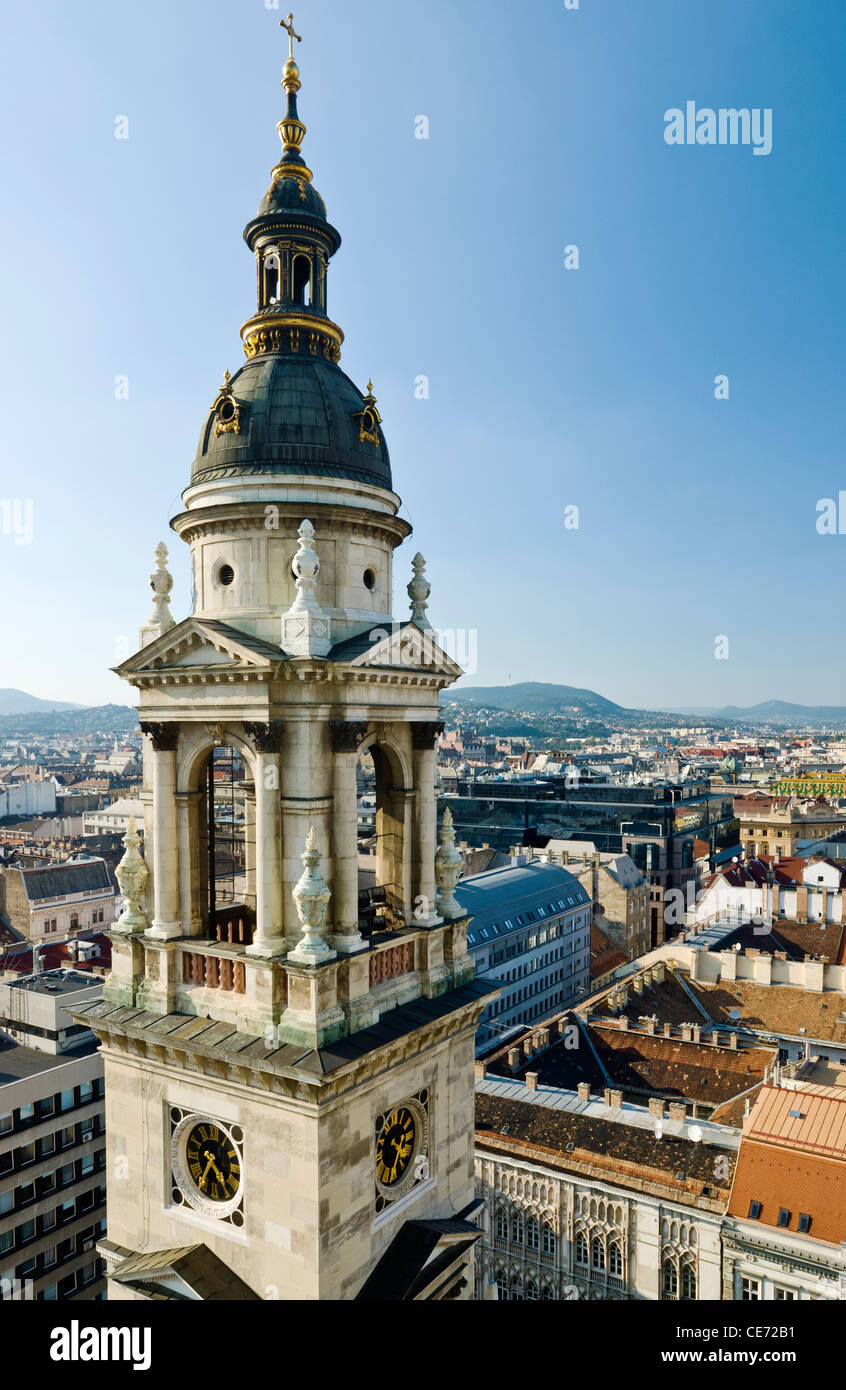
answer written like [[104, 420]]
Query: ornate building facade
[[290, 1084], [583, 1201]]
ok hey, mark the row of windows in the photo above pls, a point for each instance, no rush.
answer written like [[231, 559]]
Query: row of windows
[[58, 1104], [69, 1136], [750, 1292], [15, 1199], [599, 1256], [534, 1234], [526, 992], [55, 1255], [51, 924], [81, 1279]]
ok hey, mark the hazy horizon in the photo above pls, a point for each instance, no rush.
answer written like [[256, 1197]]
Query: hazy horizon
[[550, 388]]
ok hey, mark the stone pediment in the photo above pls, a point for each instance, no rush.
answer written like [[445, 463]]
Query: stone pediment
[[196, 645], [408, 648]]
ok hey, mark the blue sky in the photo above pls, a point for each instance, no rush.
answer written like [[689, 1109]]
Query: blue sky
[[549, 388]]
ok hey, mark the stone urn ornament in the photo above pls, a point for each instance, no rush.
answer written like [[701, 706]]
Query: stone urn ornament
[[311, 896], [132, 874], [418, 591], [449, 866]]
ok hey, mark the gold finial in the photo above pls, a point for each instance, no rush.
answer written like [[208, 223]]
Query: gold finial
[[225, 379], [288, 26], [370, 388]]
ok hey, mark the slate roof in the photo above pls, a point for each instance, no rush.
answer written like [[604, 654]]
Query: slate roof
[[57, 880], [299, 416], [624, 1151], [222, 1041], [421, 1257], [196, 1265], [535, 892]]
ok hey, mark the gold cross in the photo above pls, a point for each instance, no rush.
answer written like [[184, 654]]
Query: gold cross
[[292, 34]]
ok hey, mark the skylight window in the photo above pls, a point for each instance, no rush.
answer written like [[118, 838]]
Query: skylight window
[[754, 1211], [796, 1114], [804, 1222], [783, 1216]]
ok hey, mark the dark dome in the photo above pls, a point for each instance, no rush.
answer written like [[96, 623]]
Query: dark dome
[[298, 414], [293, 195]]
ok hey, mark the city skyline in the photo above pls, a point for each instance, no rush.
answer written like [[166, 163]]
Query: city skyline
[[596, 386]]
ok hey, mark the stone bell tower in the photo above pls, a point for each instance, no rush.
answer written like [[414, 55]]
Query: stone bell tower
[[289, 1064]]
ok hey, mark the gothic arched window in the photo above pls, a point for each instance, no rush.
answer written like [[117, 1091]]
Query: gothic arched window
[[615, 1259], [670, 1279], [516, 1290], [581, 1249], [597, 1254], [502, 1285], [517, 1228], [688, 1280], [531, 1291], [549, 1240], [501, 1224], [532, 1241]]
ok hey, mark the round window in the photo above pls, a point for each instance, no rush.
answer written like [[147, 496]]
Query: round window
[[369, 579], [225, 575], [226, 411]]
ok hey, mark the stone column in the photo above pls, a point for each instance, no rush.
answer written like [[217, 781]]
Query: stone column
[[424, 737], [269, 934], [190, 896], [166, 923], [250, 847], [307, 801], [345, 740]]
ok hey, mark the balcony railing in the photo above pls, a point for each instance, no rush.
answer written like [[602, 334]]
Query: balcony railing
[[390, 963], [215, 972]]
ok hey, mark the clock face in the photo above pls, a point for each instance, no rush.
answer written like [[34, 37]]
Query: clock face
[[212, 1161], [395, 1146], [207, 1165]]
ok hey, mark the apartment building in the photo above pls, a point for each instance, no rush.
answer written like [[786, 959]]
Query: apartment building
[[52, 1144], [531, 934], [56, 899]]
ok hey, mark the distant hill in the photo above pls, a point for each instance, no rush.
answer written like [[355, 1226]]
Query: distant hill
[[18, 702], [781, 712], [71, 719], [536, 697]]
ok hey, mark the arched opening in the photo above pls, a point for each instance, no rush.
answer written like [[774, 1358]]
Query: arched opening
[[688, 1280], [381, 812], [301, 280], [227, 844], [270, 272]]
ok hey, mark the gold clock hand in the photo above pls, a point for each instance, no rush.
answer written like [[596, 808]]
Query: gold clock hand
[[202, 1183], [213, 1165]]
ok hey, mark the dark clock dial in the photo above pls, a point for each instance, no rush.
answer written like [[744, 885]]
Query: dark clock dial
[[395, 1146], [212, 1161]]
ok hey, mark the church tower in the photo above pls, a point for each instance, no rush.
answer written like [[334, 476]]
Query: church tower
[[288, 1025]]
